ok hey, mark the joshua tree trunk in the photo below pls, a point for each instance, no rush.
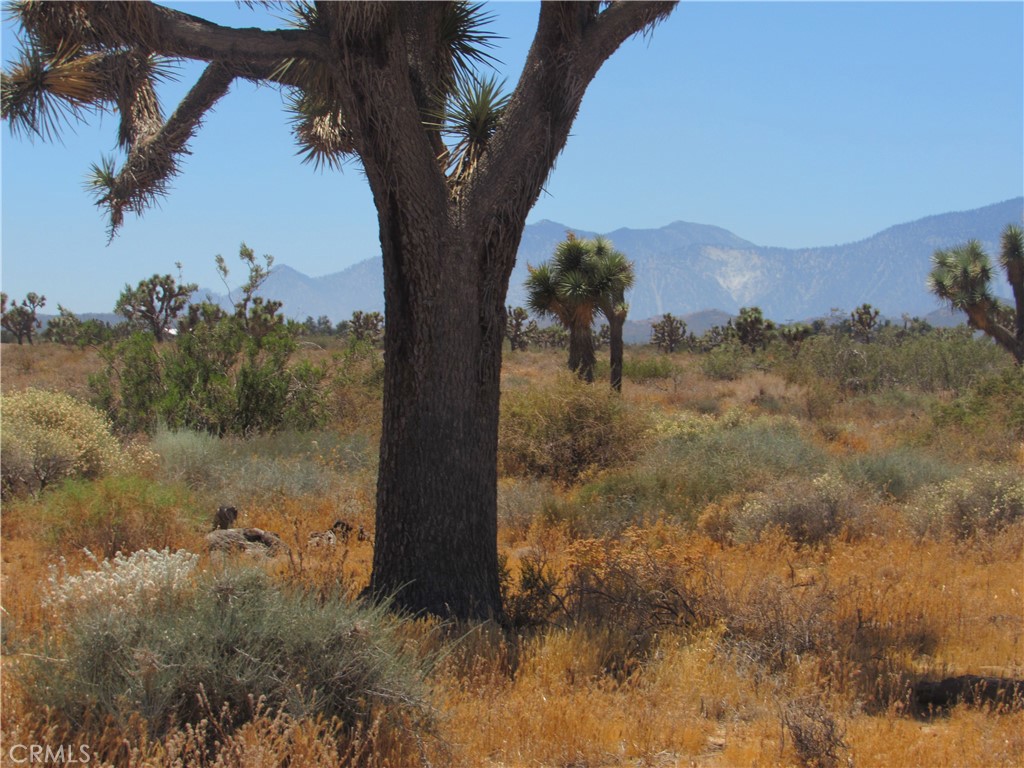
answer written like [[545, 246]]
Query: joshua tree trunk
[[436, 543], [616, 320], [581, 352]]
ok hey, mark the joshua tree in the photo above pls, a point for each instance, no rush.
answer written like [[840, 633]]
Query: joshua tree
[[516, 328], [795, 334], [751, 328], [668, 333], [614, 275], [154, 303], [382, 82], [21, 319], [863, 321], [963, 275], [366, 326], [584, 277]]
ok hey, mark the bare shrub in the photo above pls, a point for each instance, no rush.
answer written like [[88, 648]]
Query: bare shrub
[[817, 736]]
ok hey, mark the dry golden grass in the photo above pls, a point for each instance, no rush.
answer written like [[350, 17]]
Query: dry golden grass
[[781, 637]]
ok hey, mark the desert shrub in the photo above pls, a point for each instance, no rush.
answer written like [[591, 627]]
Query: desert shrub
[[620, 591], [983, 500], [808, 511], [699, 460], [229, 642], [641, 370], [897, 473], [520, 502], [120, 513], [285, 463], [727, 362], [215, 377], [994, 403], [940, 360], [566, 430], [817, 736], [50, 436], [738, 455]]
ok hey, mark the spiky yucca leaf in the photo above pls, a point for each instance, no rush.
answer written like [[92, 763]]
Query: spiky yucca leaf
[[463, 35], [1012, 254], [471, 116], [962, 275], [320, 131], [45, 91]]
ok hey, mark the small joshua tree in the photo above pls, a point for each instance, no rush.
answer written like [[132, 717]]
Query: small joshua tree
[[154, 303], [863, 321], [516, 328], [669, 333], [752, 330], [963, 275], [366, 326]]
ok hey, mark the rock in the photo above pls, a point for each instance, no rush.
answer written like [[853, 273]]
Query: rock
[[249, 540]]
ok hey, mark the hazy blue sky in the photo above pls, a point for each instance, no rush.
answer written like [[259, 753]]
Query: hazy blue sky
[[790, 124]]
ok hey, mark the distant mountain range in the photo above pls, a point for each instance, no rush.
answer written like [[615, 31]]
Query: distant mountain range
[[685, 268]]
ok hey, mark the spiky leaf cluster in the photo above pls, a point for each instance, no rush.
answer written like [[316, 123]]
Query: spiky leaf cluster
[[962, 276]]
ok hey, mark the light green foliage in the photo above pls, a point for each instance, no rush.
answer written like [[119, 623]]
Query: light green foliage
[[896, 473], [186, 645], [50, 436], [939, 360], [121, 513]]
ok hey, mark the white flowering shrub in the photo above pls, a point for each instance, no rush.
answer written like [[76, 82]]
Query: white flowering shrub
[[808, 511], [130, 583], [983, 500], [49, 436]]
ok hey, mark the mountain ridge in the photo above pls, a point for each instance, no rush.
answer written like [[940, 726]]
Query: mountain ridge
[[685, 267]]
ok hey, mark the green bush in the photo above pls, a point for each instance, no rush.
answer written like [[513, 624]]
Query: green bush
[[214, 378], [48, 437], [994, 403], [195, 645], [566, 430], [640, 370], [737, 455], [699, 460], [727, 362], [897, 473], [941, 360], [120, 513]]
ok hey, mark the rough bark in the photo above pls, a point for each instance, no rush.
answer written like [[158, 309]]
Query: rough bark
[[581, 352], [616, 321]]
